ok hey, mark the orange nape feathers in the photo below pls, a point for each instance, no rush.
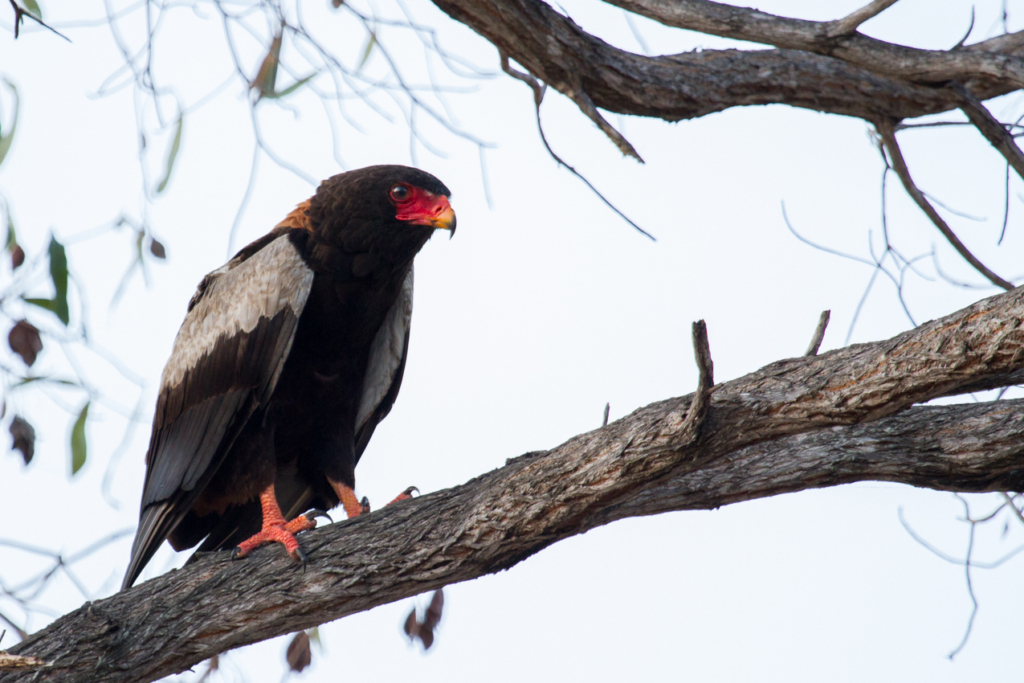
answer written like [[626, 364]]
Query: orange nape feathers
[[297, 218]]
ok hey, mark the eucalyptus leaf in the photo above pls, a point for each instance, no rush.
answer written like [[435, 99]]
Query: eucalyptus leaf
[[59, 275], [78, 445], [172, 155], [291, 88], [266, 77], [12, 237], [33, 7], [41, 303], [5, 140], [371, 43]]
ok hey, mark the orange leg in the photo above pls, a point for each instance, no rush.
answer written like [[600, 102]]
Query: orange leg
[[355, 507], [275, 528]]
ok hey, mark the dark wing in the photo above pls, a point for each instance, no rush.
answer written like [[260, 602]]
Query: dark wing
[[225, 364], [380, 388]]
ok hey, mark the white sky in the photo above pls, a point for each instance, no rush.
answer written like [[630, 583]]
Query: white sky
[[543, 308]]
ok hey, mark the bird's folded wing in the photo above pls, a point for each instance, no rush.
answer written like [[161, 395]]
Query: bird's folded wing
[[385, 367], [226, 360]]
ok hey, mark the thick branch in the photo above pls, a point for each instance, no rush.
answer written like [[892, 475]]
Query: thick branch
[[836, 39], [858, 76], [799, 423]]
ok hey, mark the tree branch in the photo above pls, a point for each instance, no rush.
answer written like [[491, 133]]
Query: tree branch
[[836, 39], [799, 423], [852, 75], [850, 23], [989, 126], [888, 134], [819, 334], [693, 84]]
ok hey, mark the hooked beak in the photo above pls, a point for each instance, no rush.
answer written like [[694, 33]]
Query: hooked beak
[[438, 214], [445, 220]]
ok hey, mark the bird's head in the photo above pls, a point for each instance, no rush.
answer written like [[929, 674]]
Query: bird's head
[[381, 205]]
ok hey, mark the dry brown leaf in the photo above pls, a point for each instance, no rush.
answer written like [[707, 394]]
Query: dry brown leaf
[[25, 341]]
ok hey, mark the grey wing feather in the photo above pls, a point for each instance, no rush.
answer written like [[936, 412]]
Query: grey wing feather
[[226, 360], [386, 364]]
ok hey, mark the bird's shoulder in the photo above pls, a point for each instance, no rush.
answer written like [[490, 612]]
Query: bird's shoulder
[[261, 281]]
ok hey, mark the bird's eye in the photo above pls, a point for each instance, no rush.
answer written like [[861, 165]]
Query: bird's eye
[[400, 193]]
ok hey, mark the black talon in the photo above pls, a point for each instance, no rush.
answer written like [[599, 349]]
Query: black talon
[[408, 491], [365, 502], [317, 512], [236, 553], [300, 556]]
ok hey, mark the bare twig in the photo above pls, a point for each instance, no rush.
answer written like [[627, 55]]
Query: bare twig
[[819, 334], [1006, 204], [698, 409], [20, 13], [967, 574], [990, 127], [586, 105], [538, 97], [20, 631], [1013, 506], [886, 131], [849, 23]]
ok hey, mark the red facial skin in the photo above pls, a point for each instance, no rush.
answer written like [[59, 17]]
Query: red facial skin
[[419, 207]]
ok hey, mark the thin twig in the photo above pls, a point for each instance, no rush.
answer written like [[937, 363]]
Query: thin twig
[[23, 634], [1009, 499], [538, 97], [849, 23], [819, 334], [970, 585], [20, 13], [698, 409], [967, 34], [1006, 205], [989, 126], [578, 95], [886, 131]]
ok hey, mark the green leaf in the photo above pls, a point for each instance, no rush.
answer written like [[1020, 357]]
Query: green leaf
[[59, 275], [12, 238], [291, 88], [5, 140], [78, 446], [41, 303], [33, 7], [371, 42], [41, 378], [266, 77], [58, 305], [172, 154]]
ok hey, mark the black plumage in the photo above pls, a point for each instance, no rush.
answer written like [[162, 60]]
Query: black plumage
[[289, 357]]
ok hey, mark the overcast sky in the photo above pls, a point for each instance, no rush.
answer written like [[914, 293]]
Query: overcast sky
[[544, 307]]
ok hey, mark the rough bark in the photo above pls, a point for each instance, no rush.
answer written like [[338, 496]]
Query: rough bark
[[800, 423], [852, 74]]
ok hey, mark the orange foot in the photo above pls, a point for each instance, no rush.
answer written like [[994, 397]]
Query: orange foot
[[404, 495], [355, 507], [275, 528]]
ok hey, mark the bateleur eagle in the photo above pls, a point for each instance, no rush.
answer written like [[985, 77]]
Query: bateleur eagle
[[289, 357]]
